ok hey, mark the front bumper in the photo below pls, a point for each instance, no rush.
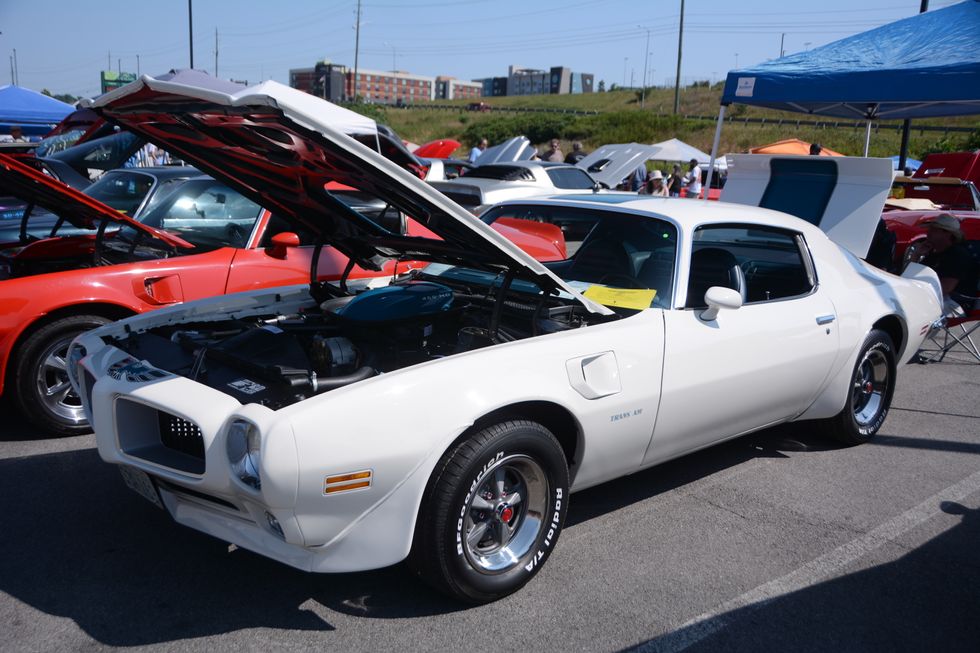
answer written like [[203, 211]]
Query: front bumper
[[147, 425]]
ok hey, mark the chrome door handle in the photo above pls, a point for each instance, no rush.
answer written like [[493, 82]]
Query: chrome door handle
[[826, 319]]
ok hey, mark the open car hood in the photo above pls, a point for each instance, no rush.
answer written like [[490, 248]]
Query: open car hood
[[610, 164], [513, 149], [280, 147], [77, 208], [844, 196]]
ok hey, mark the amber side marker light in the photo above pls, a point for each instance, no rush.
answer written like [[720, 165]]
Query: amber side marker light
[[345, 482]]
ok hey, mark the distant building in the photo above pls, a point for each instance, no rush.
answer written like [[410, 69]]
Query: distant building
[[325, 79], [450, 88], [559, 80]]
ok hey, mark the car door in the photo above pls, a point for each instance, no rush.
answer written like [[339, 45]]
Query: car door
[[752, 366]]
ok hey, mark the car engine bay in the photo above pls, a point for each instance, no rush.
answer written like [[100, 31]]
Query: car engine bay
[[277, 360]]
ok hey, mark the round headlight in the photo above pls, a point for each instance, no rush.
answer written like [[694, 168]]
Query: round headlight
[[244, 446]]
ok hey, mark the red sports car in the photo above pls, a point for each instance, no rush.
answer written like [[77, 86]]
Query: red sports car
[[205, 239]]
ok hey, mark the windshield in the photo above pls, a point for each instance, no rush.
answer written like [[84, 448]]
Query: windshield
[[124, 191], [604, 249], [205, 213], [92, 158]]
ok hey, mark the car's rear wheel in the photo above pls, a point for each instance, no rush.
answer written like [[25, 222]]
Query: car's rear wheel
[[493, 512], [43, 392], [869, 393]]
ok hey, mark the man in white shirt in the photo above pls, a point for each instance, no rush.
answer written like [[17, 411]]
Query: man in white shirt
[[693, 179]]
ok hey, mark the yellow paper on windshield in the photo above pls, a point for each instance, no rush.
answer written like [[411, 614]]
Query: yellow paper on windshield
[[634, 298]]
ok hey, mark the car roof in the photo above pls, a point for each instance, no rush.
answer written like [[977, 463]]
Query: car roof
[[686, 213]]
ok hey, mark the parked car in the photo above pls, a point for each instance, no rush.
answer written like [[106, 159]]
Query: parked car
[[445, 417], [956, 166], [486, 185], [910, 227], [132, 191], [203, 239]]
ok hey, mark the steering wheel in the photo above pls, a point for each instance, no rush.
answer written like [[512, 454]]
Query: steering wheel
[[621, 280]]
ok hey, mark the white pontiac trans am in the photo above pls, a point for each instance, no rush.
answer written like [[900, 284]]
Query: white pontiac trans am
[[445, 415]]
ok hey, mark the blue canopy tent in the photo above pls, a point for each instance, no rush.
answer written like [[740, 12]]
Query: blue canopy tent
[[927, 65], [35, 112]]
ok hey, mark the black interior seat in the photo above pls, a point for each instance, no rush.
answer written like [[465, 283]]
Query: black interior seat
[[713, 266], [600, 258], [658, 273]]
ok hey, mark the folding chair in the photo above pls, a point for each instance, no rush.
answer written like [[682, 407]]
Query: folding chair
[[952, 333]]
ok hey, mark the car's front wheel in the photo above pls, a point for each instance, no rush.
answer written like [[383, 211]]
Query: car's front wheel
[[870, 391], [493, 512], [43, 391]]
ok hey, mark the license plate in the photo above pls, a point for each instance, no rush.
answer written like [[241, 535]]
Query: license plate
[[140, 483]]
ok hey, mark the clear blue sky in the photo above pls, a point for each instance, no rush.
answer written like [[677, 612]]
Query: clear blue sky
[[62, 46]]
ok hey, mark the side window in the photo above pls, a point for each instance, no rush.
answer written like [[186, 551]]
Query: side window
[[763, 264]]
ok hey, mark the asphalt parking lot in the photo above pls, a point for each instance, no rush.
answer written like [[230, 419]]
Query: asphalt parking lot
[[776, 541]]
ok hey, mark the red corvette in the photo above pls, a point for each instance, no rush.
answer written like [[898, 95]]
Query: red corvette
[[205, 239]]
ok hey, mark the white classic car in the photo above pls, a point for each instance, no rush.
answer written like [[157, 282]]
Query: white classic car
[[444, 416], [499, 181]]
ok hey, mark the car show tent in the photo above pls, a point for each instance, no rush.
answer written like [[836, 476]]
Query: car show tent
[[927, 65], [34, 112], [790, 146], [677, 150]]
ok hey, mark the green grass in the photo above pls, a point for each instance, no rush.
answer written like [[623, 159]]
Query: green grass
[[621, 120]]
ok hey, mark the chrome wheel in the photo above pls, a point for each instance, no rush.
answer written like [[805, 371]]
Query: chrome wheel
[[52, 385], [871, 385], [505, 514]]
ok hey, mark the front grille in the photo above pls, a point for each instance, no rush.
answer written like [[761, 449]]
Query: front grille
[[181, 435], [159, 437]]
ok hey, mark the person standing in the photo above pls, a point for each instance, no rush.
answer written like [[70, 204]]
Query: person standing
[[479, 149], [675, 182], [576, 155], [693, 179], [553, 153]]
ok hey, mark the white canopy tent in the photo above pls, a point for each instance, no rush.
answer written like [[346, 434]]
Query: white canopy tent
[[677, 150]]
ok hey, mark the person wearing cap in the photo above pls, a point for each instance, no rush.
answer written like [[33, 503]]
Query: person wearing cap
[[943, 250], [655, 185]]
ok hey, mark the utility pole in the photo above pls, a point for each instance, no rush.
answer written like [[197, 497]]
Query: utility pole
[[12, 81], [137, 65], [782, 42], [626, 61], [646, 60], [119, 65], [215, 52], [903, 150], [108, 60], [680, 47], [190, 28], [16, 70], [357, 48]]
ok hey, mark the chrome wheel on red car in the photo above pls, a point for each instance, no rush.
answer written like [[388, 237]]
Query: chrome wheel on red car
[[43, 391]]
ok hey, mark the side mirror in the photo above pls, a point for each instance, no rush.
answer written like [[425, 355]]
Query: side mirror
[[717, 298], [281, 243]]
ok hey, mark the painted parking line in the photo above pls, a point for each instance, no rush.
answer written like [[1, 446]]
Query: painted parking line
[[818, 569]]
